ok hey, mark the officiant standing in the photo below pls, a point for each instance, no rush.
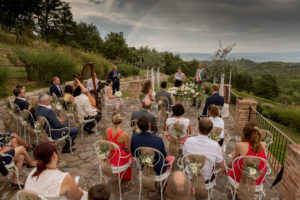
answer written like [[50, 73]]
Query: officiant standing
[[200, 78], [114, 75], [179, 77]]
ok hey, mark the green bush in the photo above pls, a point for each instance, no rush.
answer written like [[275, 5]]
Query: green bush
[[42, 65], [171, 79], [128, 70], [3, 81]]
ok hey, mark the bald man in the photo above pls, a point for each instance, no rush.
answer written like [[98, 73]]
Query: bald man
[[179, 186], [145, 111]]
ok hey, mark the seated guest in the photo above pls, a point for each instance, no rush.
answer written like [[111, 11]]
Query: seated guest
[[76, 87], [179, 186], [178, 111], [68, 97], [90, 85], [250, 145], [86, 111], [99, 192], [44, 109], [11, 139], [122, 139], [55, 88], [215, 99], [112, 99], [19, 155], [47, 180], [146, 90], [163, 92], [202, 145], [20, 100], [213, 113], [145, 111], [147, 139], [34, 104]]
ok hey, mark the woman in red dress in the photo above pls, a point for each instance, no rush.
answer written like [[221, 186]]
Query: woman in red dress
[[250, 145], [122, 139]]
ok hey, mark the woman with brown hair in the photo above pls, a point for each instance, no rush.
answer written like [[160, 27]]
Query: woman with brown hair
[[146, 90], [47, 180], [122, 139], [250, 145], [213, 113]]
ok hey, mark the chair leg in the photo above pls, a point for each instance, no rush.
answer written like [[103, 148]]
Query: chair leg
[[81, 129], [119, 179], [140, 181]]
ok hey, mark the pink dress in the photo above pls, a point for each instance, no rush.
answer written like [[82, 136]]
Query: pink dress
[[237, 168], [114, 155]]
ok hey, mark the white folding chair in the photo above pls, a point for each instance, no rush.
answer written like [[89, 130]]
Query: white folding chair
[[26, 195], [15, 113], [163, 176], [234, 185], [11, 167], [115, 169], [33, 129], [209, 164], [46, 130]]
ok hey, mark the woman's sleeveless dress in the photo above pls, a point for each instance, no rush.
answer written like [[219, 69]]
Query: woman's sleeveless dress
[[116, 102], [238, 172], [115, 155], [178, 83]]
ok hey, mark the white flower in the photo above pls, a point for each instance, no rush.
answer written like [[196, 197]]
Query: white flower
[[102, 156], [252, 171], [148, 160], [185, 93], [192, 91], [182, 89], [58, 107]]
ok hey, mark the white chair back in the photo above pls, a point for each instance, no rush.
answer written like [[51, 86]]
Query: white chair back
[[25, 195]]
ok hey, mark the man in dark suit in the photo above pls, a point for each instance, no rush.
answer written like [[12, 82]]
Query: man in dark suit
[[145, 111], [163, 92], [20, 100], [45, 110], [147, 139], [55, 88], [215, 99], [114, 75]]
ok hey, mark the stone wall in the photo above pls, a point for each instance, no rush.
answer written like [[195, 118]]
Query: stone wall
[[5, 119], [290, 184]]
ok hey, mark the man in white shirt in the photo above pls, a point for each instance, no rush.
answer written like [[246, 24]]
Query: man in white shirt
[[203, 145], [90, 85], [86, 111]]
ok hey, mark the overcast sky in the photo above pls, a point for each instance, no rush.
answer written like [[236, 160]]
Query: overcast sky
[[197, 25]]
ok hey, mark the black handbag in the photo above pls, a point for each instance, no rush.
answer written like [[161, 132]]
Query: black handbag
[[3, 169]]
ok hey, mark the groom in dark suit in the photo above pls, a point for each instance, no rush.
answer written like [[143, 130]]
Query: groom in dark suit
[[55, 88], [45, 110], [215, 99], [20, 100]]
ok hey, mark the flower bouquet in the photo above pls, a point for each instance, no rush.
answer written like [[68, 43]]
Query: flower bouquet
[[147, 159], [37, 126], [195, 168], [70, 108], [103, 152], [252, 172], [23, 119], [118, 94], [59, 104], [177, 130]]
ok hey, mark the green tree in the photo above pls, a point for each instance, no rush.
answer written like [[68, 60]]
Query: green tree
[[243, 81], [115, 47], [267, 87]]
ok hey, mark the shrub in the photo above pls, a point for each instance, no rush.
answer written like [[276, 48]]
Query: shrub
[[128, 70], [42, 65], [171, 79], [3, 81]]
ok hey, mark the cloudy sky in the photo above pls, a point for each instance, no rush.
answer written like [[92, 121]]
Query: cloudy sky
[[197, 25]]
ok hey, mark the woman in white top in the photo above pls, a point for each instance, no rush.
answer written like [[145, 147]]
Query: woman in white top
[[213, 113], [46, 180], [112, 99], [178, 111], [146, 90]]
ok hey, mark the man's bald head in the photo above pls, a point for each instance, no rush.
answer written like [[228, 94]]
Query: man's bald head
[[146, 104], [179, 186]]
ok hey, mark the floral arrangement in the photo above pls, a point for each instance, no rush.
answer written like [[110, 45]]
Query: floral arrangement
[[215, 137], [195, 168], [70, 108], [141, 97], [59, 104], [252, 172], [37, 126], [177, 130], [118, 94], [104, 151], [147, 159], [11, 109], [23, 119], [189, 90]]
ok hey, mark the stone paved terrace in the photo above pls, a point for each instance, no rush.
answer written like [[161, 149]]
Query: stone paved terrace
[[84, 163]]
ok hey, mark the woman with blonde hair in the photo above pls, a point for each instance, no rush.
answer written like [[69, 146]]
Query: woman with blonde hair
[[122, 139], [146, 90], [250, 145]]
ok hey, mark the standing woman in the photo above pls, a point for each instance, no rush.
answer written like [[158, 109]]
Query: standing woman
[[179, 77]]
